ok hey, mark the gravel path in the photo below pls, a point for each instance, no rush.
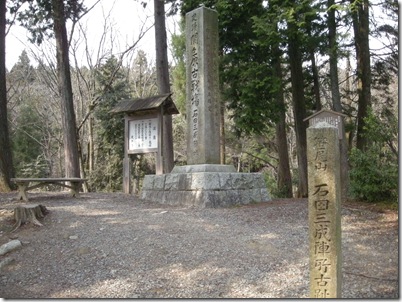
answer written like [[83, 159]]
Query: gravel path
[[114, 246]]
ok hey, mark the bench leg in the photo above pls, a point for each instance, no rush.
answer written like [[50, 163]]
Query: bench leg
[[75, 189], [22, 191]]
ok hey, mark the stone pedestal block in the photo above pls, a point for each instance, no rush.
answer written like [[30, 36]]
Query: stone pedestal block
[[205, 189]]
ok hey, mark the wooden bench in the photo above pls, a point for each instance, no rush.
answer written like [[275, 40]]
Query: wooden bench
[[23, 185]]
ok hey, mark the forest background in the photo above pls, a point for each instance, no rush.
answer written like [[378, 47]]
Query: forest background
[[280, 61]]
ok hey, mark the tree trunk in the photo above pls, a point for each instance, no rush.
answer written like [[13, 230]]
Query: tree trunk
[[349, 100], [336, 98], [6, 163], [72, 168], [316, 85], [333, 58], [284, 176], [82, 169], [222, 130], [91, 148], [162, 77], [29, 213], [360, 15], [314, 70], [299, 107]]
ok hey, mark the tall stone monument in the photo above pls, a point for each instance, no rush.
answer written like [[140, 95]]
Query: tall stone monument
[[324, 186], [202, 89], [204, 181]]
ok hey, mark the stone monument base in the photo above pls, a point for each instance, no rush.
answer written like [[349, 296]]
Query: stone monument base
[[209, 186]]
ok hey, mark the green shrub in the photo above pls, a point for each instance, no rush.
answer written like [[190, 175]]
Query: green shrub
[[371, 178], [374, 172]]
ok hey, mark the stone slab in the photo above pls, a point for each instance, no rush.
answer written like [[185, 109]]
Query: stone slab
[[205, 189]]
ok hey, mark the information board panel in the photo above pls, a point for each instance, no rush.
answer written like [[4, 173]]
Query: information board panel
[[143, 135]]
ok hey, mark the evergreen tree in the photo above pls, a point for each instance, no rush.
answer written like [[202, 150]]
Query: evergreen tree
[[27, 143], [114, 86]]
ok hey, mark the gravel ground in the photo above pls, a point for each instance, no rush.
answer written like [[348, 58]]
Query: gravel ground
[[115, 246]]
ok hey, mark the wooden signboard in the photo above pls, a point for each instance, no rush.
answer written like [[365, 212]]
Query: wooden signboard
[[143, 131]]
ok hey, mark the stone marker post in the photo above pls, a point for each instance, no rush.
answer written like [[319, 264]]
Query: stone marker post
[[203, 123], [324, 207]]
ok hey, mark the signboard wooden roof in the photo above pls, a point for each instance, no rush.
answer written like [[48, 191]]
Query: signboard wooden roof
[[146, 105], [331, 117], [324, 112]]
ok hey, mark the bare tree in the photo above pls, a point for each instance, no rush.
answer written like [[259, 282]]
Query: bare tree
[[87, 92]]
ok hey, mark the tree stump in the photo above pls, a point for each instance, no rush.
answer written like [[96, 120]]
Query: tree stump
[[29, 213]]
